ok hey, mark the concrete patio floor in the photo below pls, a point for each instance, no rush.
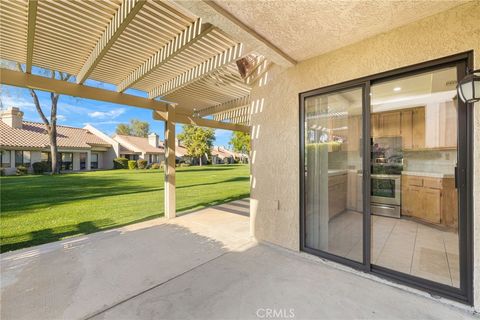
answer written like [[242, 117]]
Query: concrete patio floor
[[203, 265]]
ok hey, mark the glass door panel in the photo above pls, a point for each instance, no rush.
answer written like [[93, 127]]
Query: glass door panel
[[333, 173], [414, 202]]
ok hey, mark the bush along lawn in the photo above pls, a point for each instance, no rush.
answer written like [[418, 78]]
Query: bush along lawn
[[37, 209]]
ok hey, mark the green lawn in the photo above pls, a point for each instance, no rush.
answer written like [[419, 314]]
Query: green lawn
[[41, 209]]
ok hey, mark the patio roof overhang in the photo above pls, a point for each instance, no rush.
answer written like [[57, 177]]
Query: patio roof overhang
[[154, 46]]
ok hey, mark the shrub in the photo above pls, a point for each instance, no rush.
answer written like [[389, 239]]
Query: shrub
[[226, 160], [142, 164], [155, 166], [132, 164], [40, 167], [120, 163], [22, 170], [2, 172]]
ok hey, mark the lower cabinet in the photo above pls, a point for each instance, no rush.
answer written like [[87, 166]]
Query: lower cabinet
[[337, 194], [432, 200]]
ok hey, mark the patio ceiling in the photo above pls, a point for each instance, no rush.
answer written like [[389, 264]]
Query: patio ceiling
[[307, 28], [154, 46]]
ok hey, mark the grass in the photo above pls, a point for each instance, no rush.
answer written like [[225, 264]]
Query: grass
[[41, 209]]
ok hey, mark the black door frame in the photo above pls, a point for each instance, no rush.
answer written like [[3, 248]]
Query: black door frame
[[464, 177]]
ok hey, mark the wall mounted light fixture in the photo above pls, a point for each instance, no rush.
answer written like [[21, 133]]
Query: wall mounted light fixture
[[469, 87]]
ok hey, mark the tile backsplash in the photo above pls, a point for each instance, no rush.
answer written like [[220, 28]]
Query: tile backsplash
[[430, 161]]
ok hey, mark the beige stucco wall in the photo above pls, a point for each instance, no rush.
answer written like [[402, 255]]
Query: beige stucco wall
[[275, 122]]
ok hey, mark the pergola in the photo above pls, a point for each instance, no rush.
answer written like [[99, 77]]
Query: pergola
[[188, 69]]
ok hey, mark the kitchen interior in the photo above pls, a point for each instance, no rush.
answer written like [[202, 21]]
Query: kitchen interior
[[414, 207]]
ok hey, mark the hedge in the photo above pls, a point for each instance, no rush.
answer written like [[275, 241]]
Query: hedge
[[22, 170], [142, 164], [132, 164], [120, 163], [155, 166], [40, 167]]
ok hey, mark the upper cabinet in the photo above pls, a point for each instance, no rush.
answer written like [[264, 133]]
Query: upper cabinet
[[389, 124], [429, 127]]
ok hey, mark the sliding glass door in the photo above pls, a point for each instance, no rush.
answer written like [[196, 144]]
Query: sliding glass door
[[414, 156], [385, 182], [333, 173]]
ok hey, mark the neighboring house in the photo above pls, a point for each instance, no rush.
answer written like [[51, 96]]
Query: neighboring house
[[134, 148], [222, 155], [23, 143]]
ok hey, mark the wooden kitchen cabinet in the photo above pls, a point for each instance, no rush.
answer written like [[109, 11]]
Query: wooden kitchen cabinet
[[406, 128], [389, 123], [375, 125], [433, 200], [337, 194], [418, 128], [431, 210]]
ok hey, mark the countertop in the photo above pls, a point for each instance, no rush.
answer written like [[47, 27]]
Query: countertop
[[428, 174]]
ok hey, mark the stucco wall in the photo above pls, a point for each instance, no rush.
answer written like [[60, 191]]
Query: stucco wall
[[275, 121]]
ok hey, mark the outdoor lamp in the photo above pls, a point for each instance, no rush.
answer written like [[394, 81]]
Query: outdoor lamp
[[469, 87]]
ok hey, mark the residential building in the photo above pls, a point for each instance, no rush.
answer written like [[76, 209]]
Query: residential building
[[23, 143], [220, 155], [134, 148]]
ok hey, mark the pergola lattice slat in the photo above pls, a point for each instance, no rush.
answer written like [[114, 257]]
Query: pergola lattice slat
[[201, 70], [233, 104], [181, 42], [119, 22]]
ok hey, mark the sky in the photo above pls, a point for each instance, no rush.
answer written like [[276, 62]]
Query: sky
[[77, 112]]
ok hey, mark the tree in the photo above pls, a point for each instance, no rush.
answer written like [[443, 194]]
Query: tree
[[136, 128], [240, 142], [139, 128], [123, 129], [50, 125], [198, 141]]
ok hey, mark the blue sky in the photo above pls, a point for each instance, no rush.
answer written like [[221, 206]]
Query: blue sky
[[78, 112]]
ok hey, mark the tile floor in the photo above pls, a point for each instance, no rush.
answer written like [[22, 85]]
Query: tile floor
[[399, 244]]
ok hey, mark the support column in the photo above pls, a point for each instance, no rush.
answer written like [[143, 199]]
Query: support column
[[89, 160], [169, 199]]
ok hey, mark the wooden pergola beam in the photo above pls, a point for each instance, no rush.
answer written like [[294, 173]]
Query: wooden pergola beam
[[186, 119], [200, 71], [25, 80], [180, 43], [32, 20], [127, 11]]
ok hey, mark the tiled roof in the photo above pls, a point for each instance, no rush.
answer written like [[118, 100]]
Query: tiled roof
[[221, 153], [180, 151], [125, 150], [139, 143], [34, 135]]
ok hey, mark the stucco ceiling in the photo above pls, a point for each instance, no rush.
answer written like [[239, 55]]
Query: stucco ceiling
[[307, 28]]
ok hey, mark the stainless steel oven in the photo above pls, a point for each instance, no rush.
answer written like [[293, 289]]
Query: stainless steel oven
[[385, 195]]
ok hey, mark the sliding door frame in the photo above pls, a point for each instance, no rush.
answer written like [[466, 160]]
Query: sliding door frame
[[463, 62]]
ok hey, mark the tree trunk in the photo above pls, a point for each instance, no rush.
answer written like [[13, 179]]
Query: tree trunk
[[54, 150], [200, 160]]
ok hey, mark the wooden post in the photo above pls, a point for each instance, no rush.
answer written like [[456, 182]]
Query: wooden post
[[169, 199]]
